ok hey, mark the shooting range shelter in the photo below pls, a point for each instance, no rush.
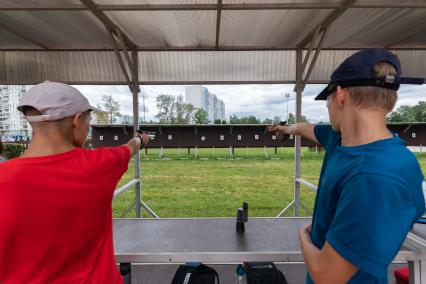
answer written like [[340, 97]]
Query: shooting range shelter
[[192, 136], [226, 135], [204, 42]]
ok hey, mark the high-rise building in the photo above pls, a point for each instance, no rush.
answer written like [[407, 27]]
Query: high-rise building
[[99, 118], [12, 121], [200, 97]]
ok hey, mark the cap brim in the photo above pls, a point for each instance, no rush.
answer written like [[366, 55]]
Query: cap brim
[[323, 95]]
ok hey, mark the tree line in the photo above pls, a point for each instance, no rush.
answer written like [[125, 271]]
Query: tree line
[[251, 119], [173, 110], [416, 113]]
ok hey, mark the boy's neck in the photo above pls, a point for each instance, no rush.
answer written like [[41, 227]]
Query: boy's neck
[[364, 126], [44, 146]]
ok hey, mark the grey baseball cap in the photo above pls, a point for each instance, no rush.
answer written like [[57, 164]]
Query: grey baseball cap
[[55, 101]]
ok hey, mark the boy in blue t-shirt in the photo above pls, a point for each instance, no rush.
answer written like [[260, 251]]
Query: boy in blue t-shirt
[[370, 187]]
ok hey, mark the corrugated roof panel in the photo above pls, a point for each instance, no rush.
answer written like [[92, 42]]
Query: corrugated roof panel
[[180, 67], [327, 61], [41, 2], [276, 28], [155, 2], [279, 1], [413, 63], [11, 41], [216, 66], [3, 67], [168, 28], [59, 29], [378, 28], [32, 67]]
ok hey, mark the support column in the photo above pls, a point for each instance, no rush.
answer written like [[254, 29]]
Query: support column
[[122, 42], [135, 94], [297, 140]]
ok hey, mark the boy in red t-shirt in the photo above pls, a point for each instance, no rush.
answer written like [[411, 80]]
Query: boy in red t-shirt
[[55, 200]]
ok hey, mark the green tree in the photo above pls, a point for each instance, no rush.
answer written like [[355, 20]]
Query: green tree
[[112, 107], [243, 120], [184, 112], [292, 119], [251, 119], [418, 112], [409, 113], [173, 110], [201, 117], [217, 121], [267, 121], [165, 108], [13, 150], [189, 113], [276, 119], [233, 119]]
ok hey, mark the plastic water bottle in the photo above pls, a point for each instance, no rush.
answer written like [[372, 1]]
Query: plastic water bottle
[[240, 275]]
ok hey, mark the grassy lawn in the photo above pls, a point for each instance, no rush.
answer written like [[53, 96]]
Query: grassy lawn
[[178, 185], [215, 185]]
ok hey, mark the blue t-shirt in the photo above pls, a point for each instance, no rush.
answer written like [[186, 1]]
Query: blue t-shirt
[[368, 198]]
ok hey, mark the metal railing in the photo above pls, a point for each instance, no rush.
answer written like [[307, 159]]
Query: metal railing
[[298, 182], [125, 187]]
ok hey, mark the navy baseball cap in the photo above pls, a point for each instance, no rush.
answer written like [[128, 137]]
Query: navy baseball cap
[[358, 70]]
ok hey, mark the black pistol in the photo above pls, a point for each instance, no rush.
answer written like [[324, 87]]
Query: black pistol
[[242, 217]]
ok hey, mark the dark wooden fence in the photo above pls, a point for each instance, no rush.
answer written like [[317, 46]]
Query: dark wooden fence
[[224, 136]]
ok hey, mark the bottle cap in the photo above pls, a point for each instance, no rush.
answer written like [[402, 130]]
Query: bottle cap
[[240, 270]]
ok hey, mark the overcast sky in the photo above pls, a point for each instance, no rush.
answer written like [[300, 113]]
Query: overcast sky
[[262, 101]]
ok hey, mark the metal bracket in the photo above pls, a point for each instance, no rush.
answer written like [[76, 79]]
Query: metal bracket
[[407, 128], [150, 211], [131, 207], [125, 187], [318, 34], [131, 80], [311, 38], [218, 20], [285, 209], [307, 184], [292, 203]]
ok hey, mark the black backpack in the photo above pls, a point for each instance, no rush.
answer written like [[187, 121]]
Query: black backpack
[[201, 274], [263, 273]]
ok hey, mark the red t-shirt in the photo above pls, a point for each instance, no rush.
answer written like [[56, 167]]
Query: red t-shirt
[[56, 217]]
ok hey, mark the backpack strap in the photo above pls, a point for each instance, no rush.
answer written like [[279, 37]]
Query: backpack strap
[[203, 267], [249, 275], [217, 276]]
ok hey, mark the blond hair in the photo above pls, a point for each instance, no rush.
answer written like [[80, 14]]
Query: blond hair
[[375, 97]]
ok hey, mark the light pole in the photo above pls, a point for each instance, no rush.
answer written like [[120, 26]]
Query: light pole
[[287, 96], [143, 105]]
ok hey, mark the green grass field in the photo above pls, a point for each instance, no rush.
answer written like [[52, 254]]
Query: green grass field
[[179, 185]]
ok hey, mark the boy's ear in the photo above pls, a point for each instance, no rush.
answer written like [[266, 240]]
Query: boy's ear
[[76, 120], [341, 96]]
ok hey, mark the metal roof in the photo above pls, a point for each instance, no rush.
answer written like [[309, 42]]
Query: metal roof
[[200, 41]]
